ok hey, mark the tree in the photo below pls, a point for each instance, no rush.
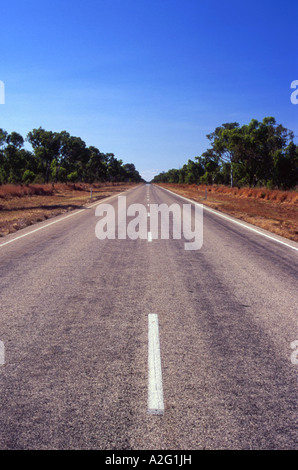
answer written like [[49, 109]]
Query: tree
[[115, 170], [194, 170], [3, 137], [285, 174], [131, 173], [46, 146], [61, 156], [28, 176], [222, 145], [96, 168], [15, 139], [15, 158], [209, 166], [173, 176], [3, 173], [77, 156], [58, 156], [255, 146]]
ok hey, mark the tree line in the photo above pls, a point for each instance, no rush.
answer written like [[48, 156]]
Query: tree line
[[261, 153], [58, 157]]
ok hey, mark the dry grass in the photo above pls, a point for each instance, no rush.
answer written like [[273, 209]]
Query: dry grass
[[23, 205], [273, 210]]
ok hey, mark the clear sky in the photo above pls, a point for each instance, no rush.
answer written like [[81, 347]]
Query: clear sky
[[147, 79]]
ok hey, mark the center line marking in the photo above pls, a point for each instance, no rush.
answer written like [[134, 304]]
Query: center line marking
[[155, 389], [149, 237]]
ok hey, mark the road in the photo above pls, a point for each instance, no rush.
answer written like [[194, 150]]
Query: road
[[74, 323]]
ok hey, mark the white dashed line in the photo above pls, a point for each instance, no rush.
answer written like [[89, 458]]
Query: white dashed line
[[155, 389], [2, 353]]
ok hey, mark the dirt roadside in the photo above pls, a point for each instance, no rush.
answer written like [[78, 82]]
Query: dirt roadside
[[21, 206], [272, 210]]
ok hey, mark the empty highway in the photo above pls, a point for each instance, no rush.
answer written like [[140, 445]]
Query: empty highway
[[74, 324]]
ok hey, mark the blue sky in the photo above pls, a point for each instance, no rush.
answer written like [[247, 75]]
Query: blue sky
[[147, 80]]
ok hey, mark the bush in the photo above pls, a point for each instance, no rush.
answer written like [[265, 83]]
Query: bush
[[62, 176], [3, 176], [72, 177], [270, 184], [28, 177]]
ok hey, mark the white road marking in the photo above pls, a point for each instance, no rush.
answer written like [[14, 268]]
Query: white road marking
[[149, 237], [2, 353], [155, 389], [248, 227], [60, 220]]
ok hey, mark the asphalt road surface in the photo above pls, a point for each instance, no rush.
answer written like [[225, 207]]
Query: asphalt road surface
[[74, 327]]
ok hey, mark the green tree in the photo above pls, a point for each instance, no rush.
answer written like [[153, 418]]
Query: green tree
[[15, 158], [173, 176], [210, 166], [285, 173], [222, 146], [115, 170], [255, 146], [194, 171], [46, 146], [96, 168], [28, 176], [131, 174]]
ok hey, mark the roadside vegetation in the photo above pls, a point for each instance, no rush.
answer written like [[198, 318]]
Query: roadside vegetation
[[54, 157], [49, 173], [273, 210], [250, 172], [23, 205], [260, 154]]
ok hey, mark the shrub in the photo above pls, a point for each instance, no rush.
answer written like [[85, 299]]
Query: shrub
[[72, 177], [28, 177]]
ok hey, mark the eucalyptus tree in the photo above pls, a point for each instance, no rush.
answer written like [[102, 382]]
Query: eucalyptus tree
[[222, 145], [46, 147]]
